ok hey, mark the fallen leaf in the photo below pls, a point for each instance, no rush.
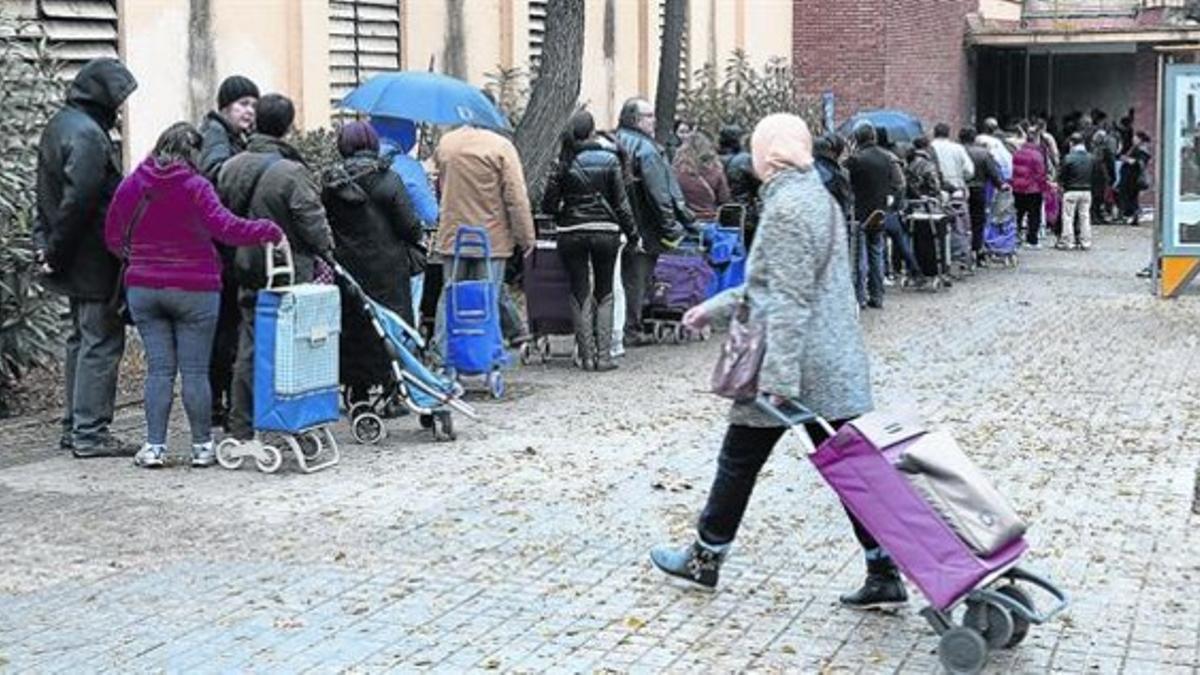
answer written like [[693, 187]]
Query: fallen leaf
[[634, 623]]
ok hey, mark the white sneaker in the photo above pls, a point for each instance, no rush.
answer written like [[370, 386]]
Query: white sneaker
[[203, 454], [150, 456]]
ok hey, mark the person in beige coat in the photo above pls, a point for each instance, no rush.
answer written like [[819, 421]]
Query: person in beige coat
[[798, 288], [482, 185]]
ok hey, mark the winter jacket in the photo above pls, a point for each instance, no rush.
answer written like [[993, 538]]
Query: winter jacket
[[1078, 170], [875, 175], [373, 226], [744, 184], [922, 176], [591, 189], [837, 182], [798, 286], [483, 185], [704, 189], [77, 173], [1029, 170], [987, 172], [287, 194], [171, 245], [654, 195], [220, 142], [954, 163], [999, 152]]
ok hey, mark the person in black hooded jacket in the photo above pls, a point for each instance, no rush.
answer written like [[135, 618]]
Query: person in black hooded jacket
[[77, 174], [586, 194], [224, 133], [373, 225]]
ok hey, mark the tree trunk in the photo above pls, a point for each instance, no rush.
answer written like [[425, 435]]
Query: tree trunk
[[554, 95], [666, 99]]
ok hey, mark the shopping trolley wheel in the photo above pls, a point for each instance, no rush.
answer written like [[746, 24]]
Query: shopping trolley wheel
[[546, 349], [526, 353], [991, 621], [368, 429], [1020, 623], [272, 461], [962, 650], [359, 409], [310, 444], [443, 427], [495, 384], [677, 335], [226, 456], [426, 421]]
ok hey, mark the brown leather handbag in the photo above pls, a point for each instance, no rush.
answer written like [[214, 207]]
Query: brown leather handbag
[[736, 373]]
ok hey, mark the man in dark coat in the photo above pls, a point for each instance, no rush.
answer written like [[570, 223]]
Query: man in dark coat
[[225, 132], [987, 174], [878, 184], [77, 174], [657, 203], [269, 180]]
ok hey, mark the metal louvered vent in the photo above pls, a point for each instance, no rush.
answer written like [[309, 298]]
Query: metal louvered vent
[[78, 30], [364, 39], [537, 32]]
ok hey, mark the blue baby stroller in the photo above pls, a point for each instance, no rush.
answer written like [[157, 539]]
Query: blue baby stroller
[[474, 344], [296, 329], [412, 384]]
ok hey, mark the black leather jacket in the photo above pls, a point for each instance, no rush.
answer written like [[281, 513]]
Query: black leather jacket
[[744, 184], [591, 189], [77, 174]]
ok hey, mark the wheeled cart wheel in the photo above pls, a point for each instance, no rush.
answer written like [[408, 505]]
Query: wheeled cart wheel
[[368, 429], [225, 456], [992, 621], [962, 651], [272, 461], [1020, 623], [526, 353], [426, 421], [443, 427], [311, 445], [495, 384]]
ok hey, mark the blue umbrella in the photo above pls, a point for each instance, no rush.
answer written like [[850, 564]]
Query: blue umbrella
[[901, 126], [424, 97]]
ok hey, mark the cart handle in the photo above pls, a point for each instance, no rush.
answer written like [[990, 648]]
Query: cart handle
[[285, 269], [794, 416]]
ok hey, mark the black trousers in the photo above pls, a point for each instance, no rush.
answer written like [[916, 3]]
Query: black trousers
[[1029, 211], [636, 269], [977, 208], [220, 370], [743, 454], [590, 259]]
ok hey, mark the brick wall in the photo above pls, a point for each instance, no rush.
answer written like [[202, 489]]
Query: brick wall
[[905, 54]]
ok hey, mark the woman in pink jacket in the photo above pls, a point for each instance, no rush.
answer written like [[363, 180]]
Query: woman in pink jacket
[[1029, 182], [163, 221]]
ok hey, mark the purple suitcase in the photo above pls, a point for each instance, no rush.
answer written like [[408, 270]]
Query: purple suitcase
[[680, 282], [547, 291], [858, 462]]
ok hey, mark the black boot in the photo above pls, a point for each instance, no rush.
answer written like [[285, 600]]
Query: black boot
[[582, 318], [603, 323], [883, 589], [696, 563]]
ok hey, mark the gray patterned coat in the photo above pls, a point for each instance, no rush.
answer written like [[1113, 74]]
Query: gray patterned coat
[[798, 282]]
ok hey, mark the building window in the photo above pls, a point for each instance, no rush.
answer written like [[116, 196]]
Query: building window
[[78, 30], [537, 32], [364, 39]]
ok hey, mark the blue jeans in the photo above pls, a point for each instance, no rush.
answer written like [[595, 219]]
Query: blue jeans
[[177, 329]]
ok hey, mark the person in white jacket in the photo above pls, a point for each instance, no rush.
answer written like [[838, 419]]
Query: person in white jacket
[[953, 161], [990, 139]]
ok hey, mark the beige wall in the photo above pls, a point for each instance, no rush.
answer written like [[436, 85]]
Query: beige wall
[[283, 45]]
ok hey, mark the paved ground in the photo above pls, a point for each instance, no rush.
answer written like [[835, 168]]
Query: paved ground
[[522, 547]]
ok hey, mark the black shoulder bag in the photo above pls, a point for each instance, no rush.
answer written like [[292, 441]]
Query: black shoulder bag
[[118, 302]]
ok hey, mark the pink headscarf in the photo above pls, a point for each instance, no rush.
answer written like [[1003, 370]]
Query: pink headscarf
[[780, 142]]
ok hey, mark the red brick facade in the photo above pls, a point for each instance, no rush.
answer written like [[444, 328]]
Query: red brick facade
[[905, 54]]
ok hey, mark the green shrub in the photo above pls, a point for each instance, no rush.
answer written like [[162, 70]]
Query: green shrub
[[31, 329]]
